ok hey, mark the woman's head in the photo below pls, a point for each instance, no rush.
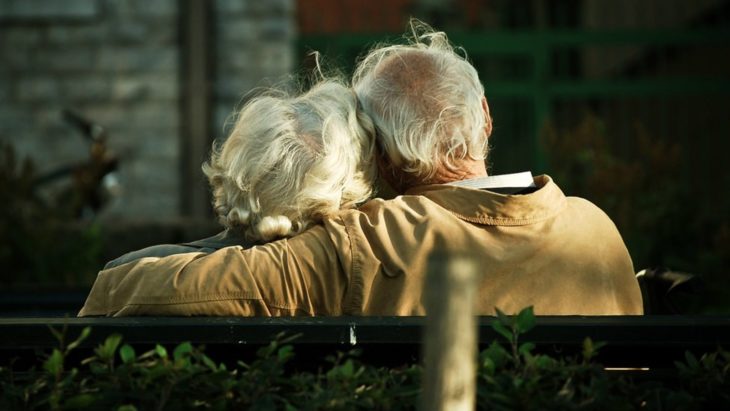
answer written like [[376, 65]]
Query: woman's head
[[292, 160]]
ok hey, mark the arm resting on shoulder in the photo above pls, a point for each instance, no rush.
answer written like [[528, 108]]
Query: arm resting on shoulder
[[297, 276]]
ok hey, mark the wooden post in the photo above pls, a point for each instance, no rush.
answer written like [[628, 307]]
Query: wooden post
[[196, 73], [450, 344]]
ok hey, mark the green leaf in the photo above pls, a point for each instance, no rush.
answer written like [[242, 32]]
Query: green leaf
[[680, 366], [708, 359], [147, 355], [208, 362], [127, 354], [502, 330], [161, 351], [347, 369], [496, 353], [503, 318], [526, 348], [79, 401], [84, 335], [488, 366], [97, 368], [128, 407], [525, 320], [543, 361], [691, 359], [54, 363], [517, 382], [588, 350], [285, 352], [181, 350], [106, 351], [159, 370]]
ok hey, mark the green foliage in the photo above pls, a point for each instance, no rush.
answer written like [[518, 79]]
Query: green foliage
[[116, 378], [707, 376], [40, 242], [521, 379], [651, 193]]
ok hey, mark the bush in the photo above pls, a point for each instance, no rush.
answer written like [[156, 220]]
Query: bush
[[511, 376], [40, 242], [648, 194]]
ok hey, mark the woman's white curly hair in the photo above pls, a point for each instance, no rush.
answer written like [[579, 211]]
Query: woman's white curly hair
[[292, 160], [426, 102]]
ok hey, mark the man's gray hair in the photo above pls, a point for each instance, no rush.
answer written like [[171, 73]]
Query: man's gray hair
[[425, 101], [292, 160]]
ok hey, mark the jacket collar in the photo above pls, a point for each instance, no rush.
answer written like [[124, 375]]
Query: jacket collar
[[490, 208]]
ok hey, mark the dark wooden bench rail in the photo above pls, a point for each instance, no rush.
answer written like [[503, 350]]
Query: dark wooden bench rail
[[649, 341]]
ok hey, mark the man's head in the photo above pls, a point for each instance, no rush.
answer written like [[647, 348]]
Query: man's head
[[427, 104], [291, 160]]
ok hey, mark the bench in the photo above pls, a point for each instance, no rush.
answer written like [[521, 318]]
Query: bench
[[653, 342]]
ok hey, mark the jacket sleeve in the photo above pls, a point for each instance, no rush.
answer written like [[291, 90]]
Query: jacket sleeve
[[297, 276], [160, 250]]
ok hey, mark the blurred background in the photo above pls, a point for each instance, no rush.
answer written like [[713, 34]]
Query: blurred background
[[109, 107]]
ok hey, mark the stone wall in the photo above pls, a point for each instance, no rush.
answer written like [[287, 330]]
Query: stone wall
[[254, 48], [118, 63]]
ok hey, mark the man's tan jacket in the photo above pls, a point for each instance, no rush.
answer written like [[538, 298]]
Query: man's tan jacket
[[560, 254]]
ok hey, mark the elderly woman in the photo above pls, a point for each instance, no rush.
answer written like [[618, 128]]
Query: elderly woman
[[288, 162]]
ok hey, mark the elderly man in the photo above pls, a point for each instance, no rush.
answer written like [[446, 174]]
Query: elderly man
[[534, 245]]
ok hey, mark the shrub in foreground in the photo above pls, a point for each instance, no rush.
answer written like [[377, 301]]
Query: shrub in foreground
[[511, 376]]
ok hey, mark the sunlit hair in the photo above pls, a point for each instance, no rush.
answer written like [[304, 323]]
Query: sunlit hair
[[292, 160], [425, 100]]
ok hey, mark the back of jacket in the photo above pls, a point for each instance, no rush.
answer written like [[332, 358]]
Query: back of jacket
[[561, 255]]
